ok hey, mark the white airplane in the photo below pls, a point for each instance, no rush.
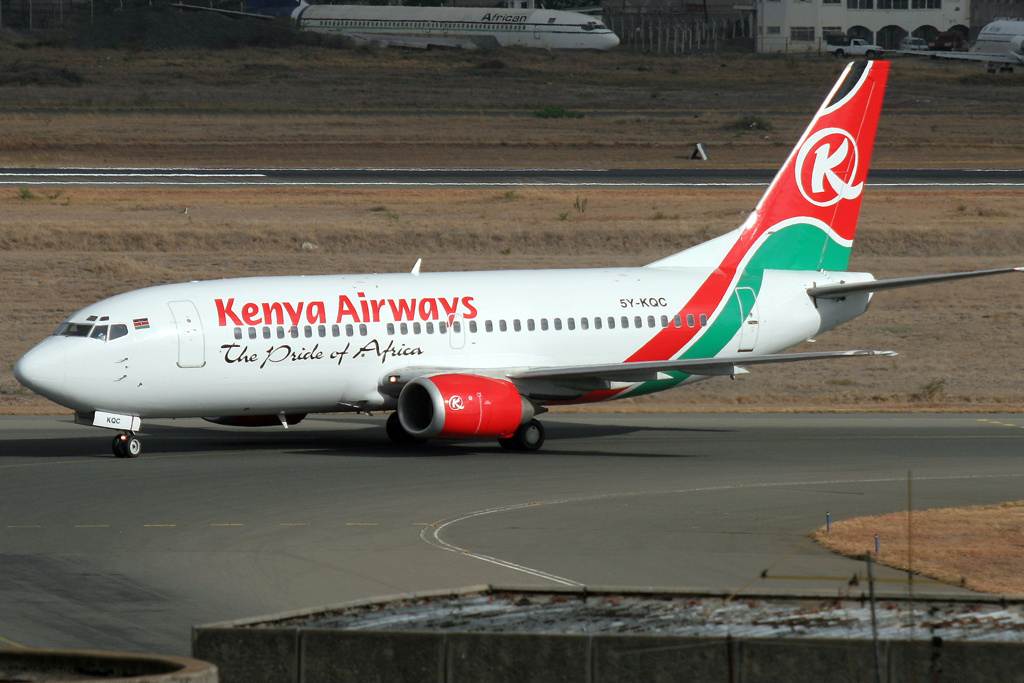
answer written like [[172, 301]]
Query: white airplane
[[1000, 44], [480, 354], [426, 27]]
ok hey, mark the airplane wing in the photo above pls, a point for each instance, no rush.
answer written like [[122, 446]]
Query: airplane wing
[[649, 370], [227, 12], [839, 291], [1010, 58]]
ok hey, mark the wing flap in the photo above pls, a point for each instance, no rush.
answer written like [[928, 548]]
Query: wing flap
[[650, 370]]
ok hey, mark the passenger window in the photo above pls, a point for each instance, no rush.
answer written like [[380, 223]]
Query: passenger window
[[558, 323], [403, 328], [238, 333], [517, 326], [611, 323], [362, 330], [488, 326], [294, 331], [442, 327], [430, 328], [118, 331], [650, 321], [689, 320], [99, 332], [335, 331], [625, 322], [584, 323], [391, 329], [664, 321], [544, 324], [321, 331], [280, 332], [502, 326], [597, 323], [530, 325], [350, 331], [456, 327], [416, 329], [571, 323], [638, 322], [266, 333], [309, 331], [703, 320], [252, 333]]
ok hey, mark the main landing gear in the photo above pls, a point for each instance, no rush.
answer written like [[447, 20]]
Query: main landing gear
[[126, 445], [529, 437]]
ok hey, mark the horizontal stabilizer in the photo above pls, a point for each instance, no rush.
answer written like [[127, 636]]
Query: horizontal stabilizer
[[649, 370], [841, 290]]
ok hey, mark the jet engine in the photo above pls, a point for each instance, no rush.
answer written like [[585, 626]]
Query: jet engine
[[1017, 45], [454, 406]]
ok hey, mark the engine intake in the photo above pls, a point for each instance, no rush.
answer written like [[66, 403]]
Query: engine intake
[[461, 406]]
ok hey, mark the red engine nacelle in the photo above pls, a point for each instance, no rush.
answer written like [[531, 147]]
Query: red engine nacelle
[[457, 406]]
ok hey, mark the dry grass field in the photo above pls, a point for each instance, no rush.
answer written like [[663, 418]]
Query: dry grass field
[[979, 547]]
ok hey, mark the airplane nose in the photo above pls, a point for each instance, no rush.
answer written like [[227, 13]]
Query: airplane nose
[[42, 368]]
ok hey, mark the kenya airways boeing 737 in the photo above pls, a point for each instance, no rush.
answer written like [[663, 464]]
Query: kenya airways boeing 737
[[467, 355]]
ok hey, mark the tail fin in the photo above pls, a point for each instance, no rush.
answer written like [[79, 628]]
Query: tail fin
[[272, 8], [807, 218], [820, 186]]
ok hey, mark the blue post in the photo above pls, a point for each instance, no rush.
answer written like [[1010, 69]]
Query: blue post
[[876, 544], [828, 523]]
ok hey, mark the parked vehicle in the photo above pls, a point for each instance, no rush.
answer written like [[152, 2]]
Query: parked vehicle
[[843, 46]]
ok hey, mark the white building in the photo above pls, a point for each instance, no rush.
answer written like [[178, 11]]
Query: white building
[[798, 25]]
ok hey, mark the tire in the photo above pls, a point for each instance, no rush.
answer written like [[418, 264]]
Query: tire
[[126, 446], [530, 436], [397, 434], [870, 54], [840, 54]]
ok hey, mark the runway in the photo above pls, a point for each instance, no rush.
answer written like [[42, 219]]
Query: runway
[[463, 177], [215, 523]]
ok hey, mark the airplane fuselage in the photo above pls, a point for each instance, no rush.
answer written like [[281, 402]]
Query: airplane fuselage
[[458, 26], [257, 346]]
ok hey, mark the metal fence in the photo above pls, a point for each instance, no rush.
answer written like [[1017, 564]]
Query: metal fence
[[678, 33]]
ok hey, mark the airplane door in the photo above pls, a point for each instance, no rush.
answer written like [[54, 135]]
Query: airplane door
[[457, 332], [191, 351], [749, 323]]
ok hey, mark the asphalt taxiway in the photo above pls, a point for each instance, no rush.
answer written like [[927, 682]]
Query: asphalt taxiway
[[215, 523]]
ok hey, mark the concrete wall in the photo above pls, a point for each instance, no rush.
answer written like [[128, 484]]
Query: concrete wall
[[277, 655]]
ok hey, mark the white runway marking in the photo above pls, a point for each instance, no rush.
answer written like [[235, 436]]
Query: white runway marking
[[432, 533]]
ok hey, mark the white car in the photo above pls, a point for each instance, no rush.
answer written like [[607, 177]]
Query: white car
[[913, 44]]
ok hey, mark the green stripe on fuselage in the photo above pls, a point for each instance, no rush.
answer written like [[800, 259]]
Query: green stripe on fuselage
[[795, 247]]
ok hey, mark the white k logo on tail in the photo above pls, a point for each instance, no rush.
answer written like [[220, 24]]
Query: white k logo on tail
[[834, 159]]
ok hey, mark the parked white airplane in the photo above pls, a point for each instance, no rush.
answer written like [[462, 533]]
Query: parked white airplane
[[1000, 44], [426, 27], [461, 355]]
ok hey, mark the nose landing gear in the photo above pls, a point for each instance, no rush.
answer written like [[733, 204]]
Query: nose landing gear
[[126, 445]]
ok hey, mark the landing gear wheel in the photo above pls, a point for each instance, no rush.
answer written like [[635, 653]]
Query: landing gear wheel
[[396, 432], [529, 437], [126, 446]]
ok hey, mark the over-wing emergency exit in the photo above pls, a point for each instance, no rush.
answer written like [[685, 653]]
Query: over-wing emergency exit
[[481, 354]]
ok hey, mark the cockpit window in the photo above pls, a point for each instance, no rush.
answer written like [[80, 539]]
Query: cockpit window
[[74, 330], [101, 332]]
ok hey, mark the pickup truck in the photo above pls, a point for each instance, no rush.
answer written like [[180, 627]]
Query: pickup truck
[[842, 47]]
